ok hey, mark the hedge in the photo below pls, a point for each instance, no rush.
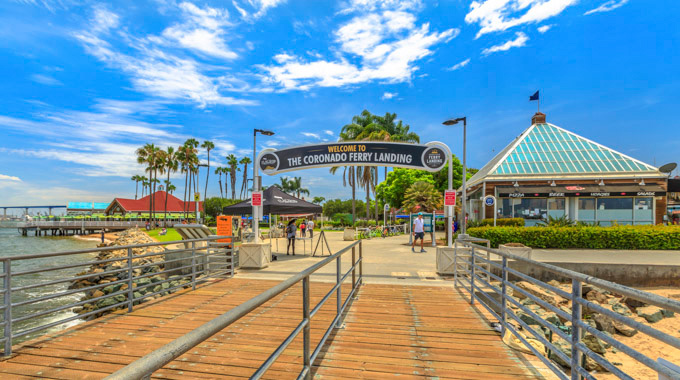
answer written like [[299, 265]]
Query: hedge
[[512, 222], [588, 237]]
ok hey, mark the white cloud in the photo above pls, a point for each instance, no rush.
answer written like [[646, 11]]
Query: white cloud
[[329, 133], [544, 28], [202, 31], [159, 72], [520, 41], [259, 7], [376, 5], [45, 79], [309, 134], [607, 6], [389, 95], [499, 15], [4, 177], [459, 65], [16, 193], [382, 45]]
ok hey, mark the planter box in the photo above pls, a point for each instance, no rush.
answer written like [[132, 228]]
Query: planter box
[[349, 234], [445, 258], [254, 256], [517, 251]]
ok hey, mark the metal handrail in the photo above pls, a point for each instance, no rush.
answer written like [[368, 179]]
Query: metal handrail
[[145, 366], [191, 273], [476, 285]]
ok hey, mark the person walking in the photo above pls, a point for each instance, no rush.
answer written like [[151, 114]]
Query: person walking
[[303, 226], [310, 228], [291, 231], [418, 232]]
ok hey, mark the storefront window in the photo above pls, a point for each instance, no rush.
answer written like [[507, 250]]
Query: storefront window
[[644, 210], [586, 209], [531, 209], [614, 209], [556, 207], [505, 209]]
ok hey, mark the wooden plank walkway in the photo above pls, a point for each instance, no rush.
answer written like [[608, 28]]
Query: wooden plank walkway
[[390, 331]]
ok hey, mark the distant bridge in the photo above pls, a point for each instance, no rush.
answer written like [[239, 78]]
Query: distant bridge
[[25, 208]]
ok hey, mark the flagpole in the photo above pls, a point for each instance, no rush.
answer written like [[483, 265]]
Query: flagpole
[[539, 104]]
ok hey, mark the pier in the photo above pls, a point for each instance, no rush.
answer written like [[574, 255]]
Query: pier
[[65, 228]]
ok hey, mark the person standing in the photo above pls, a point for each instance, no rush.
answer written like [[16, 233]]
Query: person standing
[[310, 228], [303, 226], [291, 231], [418, 232]]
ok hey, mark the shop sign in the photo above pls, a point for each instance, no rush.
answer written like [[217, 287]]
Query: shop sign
[[596, 194], [431, 157], [489, 200]]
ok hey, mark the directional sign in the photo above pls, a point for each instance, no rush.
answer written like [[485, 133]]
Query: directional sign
[[197, 197], [431, 157], [450, 198], [257, 198]]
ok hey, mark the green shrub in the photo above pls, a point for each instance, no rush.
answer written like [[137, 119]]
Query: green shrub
[[588, 237], [510, 222]]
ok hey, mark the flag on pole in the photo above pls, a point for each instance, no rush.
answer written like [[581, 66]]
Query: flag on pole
[[534, 97]]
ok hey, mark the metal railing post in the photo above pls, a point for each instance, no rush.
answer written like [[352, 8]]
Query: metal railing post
[[472, 275], [307, 329], [193, 265], [130, 290], [354, 263], [361, 264], [575, 329], [455, 266], [504, 279], [7, 281], [337, 281]]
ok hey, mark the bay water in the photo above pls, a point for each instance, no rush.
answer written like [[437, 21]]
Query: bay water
[[12, 244]]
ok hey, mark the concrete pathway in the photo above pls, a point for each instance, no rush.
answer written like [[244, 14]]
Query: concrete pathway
[[390, 260]]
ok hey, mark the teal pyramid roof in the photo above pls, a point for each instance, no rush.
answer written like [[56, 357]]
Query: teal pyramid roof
[[545, 149]]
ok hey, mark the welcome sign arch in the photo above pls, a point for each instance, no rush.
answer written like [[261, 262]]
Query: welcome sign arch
[[431, 156]]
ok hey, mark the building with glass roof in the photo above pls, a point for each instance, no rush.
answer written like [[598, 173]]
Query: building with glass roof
[[85, 208], [550, 171]]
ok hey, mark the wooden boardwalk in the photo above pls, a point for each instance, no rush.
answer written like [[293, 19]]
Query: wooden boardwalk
[[390, 332]]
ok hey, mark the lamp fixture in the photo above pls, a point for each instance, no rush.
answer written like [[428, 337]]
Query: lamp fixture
[[642, 182], [515, 184], [552, 183], [601, 183]]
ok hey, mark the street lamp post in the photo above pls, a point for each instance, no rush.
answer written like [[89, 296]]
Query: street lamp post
[[256, 182], [464, 200]]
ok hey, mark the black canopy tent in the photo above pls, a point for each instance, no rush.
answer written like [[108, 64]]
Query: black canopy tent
[[275, 201]]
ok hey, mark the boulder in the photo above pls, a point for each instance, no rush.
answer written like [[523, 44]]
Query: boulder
[[667, 313], [624, 329], [622, 309], [97, 293], [595, 296], [595, 344], [603, 323], [652, 314], [530, 288], [106, 302], [633, 303], [526, 318]]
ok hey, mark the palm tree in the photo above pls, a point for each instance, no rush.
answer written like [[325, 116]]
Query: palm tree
[[296, 187], [423, 196], [187, 155], [170, 188], [349, 178], [171, 164], [318, 200], [233, 168], [285, 185], [244, 161], [218, 171], [208, 146], [149, 155], [366, 176], [145, 183], [137, 179]]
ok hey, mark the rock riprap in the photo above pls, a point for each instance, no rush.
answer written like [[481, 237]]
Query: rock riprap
[[144, 282]]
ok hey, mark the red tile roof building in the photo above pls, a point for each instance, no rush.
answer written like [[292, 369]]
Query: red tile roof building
[[175, 205]]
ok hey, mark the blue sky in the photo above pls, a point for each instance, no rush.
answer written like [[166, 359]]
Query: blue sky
[[85, 83]]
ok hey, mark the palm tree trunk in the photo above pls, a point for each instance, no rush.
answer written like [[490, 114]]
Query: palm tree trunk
[[207, 175], [375, 197], [184, 200], [368, 200], [165, 208], [354, 195], [150, 194], [136, 188]]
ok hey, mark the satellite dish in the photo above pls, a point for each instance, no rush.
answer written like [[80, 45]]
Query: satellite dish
[[668, 167]]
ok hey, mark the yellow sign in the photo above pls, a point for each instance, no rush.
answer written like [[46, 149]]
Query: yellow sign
[[197, 197]]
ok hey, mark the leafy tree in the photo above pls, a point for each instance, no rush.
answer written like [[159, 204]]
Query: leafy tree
[[339, 206], [422, 196], [391, 191], [213, 206], [318, 200]]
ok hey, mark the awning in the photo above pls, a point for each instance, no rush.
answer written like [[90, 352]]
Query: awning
[[632, 190], [275, 201]]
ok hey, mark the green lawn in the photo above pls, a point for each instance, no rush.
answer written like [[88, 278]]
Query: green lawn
[[172, 235]]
